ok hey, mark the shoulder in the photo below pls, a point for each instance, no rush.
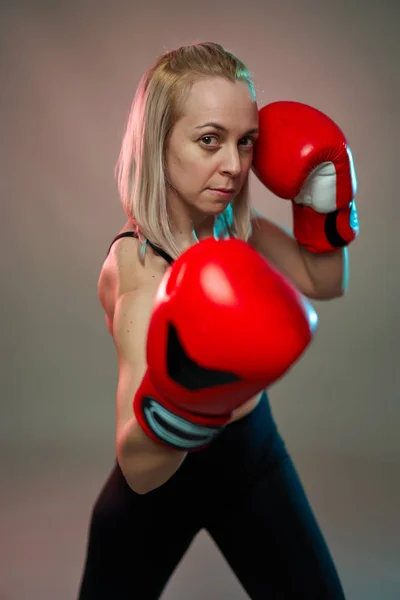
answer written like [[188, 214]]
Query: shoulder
[[124, 272], [121, 267], [268, 237], [258, 224]]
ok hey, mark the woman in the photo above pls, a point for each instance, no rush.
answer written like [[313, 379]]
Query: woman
[[183, 177]]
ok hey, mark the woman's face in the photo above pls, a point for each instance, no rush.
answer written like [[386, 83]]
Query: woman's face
[[210, 148]]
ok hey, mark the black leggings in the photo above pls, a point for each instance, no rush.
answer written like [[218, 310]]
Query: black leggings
[[245, 492]]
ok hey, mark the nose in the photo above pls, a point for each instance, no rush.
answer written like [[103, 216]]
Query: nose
[[231, 164]]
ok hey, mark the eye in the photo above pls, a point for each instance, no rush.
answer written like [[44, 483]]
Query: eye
[[247, 141], [207, 140]]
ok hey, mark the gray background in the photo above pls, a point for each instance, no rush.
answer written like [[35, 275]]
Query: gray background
[[68, 74]]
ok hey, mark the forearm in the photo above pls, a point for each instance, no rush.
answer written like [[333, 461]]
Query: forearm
[[145, 464], [328, 271]]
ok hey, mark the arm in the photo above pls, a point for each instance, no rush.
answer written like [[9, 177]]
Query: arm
[[318, 276], [302, 155], [145, 464]]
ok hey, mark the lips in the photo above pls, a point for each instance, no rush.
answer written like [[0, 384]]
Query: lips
[[224, 190]]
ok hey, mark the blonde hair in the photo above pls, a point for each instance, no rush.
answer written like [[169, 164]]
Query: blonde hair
[[140, 169]]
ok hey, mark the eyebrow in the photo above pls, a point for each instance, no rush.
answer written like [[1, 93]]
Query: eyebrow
[[221, 128]]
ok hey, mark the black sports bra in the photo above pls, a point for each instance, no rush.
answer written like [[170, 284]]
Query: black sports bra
[[156, 249]]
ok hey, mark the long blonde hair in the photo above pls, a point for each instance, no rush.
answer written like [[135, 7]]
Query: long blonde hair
[[140, 169]]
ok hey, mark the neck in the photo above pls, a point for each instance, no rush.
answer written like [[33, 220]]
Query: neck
[[187, 234], [189, 226]]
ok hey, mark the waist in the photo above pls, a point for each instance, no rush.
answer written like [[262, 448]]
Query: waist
[[244, 447], [245, 433], [246, 408], [241, 450]]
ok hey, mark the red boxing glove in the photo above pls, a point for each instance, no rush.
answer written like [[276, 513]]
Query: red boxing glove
[[303, 156], [225, 325]]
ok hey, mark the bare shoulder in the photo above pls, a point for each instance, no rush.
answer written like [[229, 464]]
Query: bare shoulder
[[270, 239], [124, 273], [259, 225]]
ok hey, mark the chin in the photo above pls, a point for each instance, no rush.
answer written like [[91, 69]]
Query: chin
[[212, 206], [216, 208]]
